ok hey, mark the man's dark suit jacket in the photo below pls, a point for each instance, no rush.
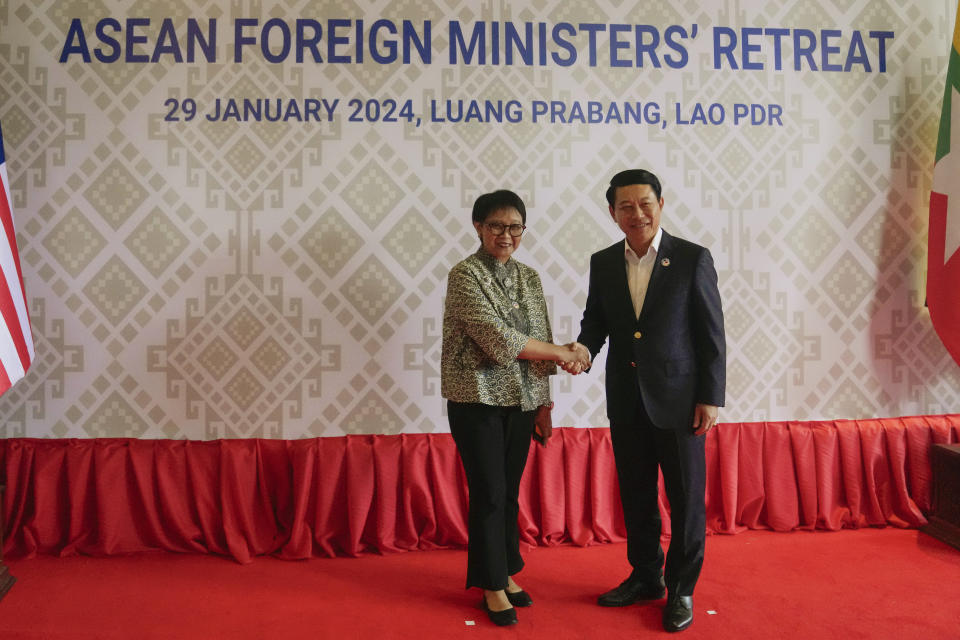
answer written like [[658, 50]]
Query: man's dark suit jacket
[[674, 355]]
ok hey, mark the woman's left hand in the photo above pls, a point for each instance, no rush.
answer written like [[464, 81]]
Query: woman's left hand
[[543, 425]]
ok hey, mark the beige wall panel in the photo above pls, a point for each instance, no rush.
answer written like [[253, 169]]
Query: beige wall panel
[[199, 279]]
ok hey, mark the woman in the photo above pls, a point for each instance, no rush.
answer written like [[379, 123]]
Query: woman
[[496, 361]]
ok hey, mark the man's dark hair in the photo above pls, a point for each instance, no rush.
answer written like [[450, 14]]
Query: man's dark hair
[[501, 199], [632, 176]]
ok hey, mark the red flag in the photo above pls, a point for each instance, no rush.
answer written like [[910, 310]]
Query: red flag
[[943, 257], [16, 337]]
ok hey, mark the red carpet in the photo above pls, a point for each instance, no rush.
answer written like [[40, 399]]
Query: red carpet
[[867, 583]]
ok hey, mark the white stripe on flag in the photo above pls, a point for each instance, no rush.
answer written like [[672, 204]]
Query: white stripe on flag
[[9, 356]]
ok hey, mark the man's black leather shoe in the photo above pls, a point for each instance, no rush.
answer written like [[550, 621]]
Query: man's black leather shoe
[[678, 614], [631, 590], [519, 599]]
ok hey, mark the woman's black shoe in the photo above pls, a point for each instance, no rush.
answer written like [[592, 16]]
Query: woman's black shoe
[[500, 618], [519, 599]]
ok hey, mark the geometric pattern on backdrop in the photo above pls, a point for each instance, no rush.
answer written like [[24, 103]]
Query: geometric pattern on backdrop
[[286, 280]]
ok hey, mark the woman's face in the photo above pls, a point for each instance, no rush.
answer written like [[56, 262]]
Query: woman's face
[[500, 246]]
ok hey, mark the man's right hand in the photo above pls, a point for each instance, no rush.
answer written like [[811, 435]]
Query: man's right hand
[[579, 358]]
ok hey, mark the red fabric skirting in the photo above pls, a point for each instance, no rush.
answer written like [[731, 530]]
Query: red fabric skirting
[[347, 495]]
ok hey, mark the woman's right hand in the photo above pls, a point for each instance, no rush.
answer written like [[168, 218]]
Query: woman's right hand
[[574, 358]]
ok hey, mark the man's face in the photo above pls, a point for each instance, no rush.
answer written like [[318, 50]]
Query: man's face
[[636, 211]]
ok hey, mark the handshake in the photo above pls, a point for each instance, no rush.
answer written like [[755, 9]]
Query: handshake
[[574, 358]]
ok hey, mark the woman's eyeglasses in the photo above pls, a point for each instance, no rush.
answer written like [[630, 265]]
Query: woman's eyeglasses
[[497, 228]]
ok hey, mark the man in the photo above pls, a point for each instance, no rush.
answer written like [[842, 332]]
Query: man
[[655, 296]]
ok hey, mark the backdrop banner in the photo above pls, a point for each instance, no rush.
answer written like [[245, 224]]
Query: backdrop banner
[[236, 218]]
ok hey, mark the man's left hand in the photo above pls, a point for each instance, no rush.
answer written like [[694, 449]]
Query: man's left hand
[[704, 418]]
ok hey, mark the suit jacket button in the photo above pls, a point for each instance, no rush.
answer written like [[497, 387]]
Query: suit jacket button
[[637, 335]]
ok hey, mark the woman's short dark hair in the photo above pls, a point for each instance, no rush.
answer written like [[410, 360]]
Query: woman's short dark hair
[[632, 176], [495, 201]]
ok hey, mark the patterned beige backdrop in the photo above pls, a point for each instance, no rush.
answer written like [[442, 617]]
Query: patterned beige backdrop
[[285, 280]]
